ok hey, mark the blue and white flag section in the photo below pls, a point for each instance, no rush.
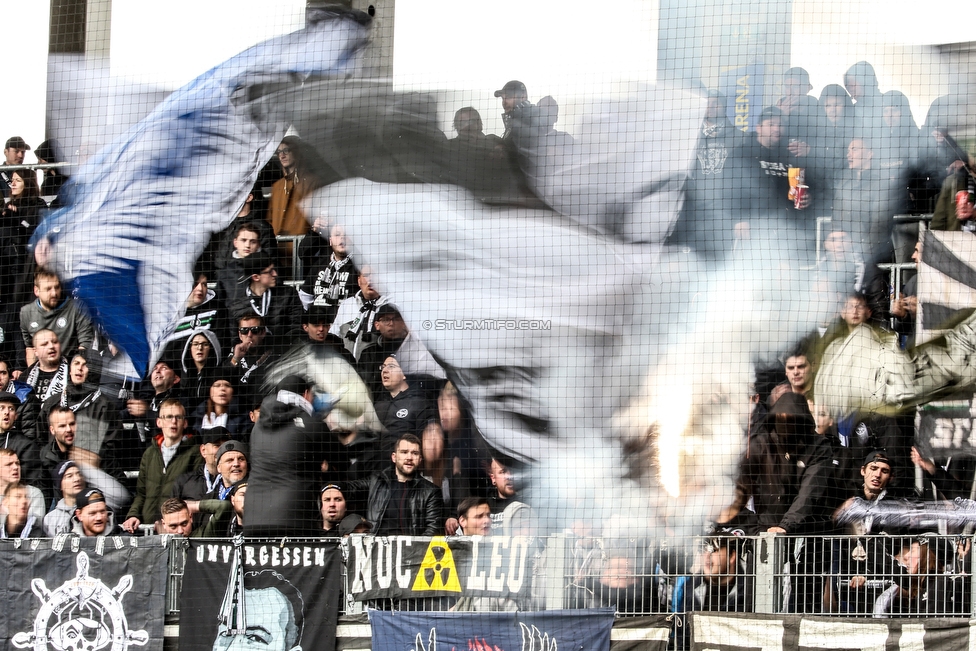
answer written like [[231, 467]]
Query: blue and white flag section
[[140, 211], [509, 631], [240, 596], [95, 594], [400, 567]]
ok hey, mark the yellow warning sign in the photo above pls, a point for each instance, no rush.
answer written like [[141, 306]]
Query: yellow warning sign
[[437, 571]]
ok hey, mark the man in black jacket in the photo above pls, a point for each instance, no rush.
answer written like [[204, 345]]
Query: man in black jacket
[[278, 305], [400, 501], [787, 474], [290, 446], [27, 449], [402, 408]]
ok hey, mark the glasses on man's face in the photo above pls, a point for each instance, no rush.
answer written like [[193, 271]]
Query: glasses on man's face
[[200, 344], [253, 330], [269, 272], [283, 150], [392, 367], [172, 417]]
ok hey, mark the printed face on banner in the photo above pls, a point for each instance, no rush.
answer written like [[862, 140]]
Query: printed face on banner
[[270, 625], [288, 594]]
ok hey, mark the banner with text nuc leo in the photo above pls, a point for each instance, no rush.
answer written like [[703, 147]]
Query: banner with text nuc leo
[[379, 567]]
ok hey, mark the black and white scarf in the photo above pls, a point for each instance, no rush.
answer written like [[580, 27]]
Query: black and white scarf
[[362, 325], [211, 482], [24, 533], [58, 382], [89, 398], [265, 302]]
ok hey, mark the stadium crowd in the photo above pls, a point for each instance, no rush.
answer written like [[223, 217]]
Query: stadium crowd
[[178, 453]]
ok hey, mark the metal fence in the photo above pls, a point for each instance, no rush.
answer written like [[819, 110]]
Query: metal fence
[[863, 576]]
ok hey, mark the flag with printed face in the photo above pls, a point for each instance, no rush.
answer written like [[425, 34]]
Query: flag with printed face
[[255, 596]]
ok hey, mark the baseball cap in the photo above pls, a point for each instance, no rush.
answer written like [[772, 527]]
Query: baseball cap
[[214, 435], [236, 487], [16, 142], [90, 496], [769, 112], [513, 87], [879, 456], [173, 365], [254, 264], [350, 522], [387, 308]]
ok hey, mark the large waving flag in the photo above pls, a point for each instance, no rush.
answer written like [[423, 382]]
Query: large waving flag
[[144, 207], [946, 281], [509, 300]]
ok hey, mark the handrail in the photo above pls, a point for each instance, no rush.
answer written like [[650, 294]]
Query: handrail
[[767, 563]]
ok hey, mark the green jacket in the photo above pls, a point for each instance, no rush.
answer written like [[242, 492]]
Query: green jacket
[[221, 512], [155, 482]]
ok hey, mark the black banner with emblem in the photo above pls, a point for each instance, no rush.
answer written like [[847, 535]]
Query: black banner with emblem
[[380, 567], [82, 594], [240, 595]]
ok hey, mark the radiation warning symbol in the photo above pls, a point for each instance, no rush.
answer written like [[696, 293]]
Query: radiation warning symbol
[[437, 571]]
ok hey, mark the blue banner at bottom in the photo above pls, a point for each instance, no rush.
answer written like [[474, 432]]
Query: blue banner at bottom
[[492, 631]]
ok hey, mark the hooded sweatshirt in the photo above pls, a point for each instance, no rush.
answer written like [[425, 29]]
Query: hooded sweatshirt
[[195, 385]]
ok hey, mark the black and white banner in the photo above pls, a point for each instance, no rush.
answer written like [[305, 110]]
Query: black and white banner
[[83, 594], [240, 596], [944, 428], [380, 567], [728, 632], [946, 281]]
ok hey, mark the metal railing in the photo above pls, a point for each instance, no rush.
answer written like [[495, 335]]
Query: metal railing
[[844, 576], [297, 273], [36, 166]]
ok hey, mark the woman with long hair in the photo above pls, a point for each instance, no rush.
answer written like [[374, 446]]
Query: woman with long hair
[[25, 204], [200, 358], [220, 409]]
